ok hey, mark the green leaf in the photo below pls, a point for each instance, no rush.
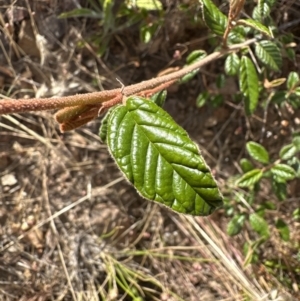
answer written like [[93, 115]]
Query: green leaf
[[221, 81], [216, 100], [263, 8], [297, 91], [192, 58], [256, 25], [291, 54], [261, 11], [269, 54], [215, 20], [249, 84], [269, 2], [235, 225], [246, 165], [157, 156], [257, 152], [104, 126], [296, 214], [201, 99], [237, 35], [287, 152], [259, 225], [293, 80], [296, 142], [195, 56], [250, 178], [268, 205], [232, 64], [159, 98], [279, 97], [146, 34], [283, 229], [283, 171], [279, 189]]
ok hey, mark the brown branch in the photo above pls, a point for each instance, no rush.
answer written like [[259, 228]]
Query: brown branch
[[40, 104]]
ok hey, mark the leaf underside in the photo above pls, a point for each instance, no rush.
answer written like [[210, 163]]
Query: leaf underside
[[159, 159]]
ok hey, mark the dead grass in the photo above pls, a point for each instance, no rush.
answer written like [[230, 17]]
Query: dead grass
[[71, 227]]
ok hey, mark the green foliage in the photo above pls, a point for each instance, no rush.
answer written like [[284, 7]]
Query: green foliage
[[104, 126], [257, 152], [232, 64], [269, 54], [201, 99], [249, 84], [259, 225], [283, 172], [256, 25], [111, 16], [236, 224], [159, 159], [159, 98], [215, 20], [292, 81], [278, 172], [250, 178], [192, 58], [246, 165], [283, 229]]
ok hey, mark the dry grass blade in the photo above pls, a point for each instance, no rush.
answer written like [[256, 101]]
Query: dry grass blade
[[202, 228]]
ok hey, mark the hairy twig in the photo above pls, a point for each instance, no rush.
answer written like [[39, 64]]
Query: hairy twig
[[77, 110], [8, 106]]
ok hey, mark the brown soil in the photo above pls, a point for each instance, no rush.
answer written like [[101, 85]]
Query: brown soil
[[69, 222]]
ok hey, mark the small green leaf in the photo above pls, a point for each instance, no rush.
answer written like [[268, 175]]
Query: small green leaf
[[293, 80], [157, 156], [221, 81], [146, 34], [296, 142], [237, 35], [201, 99], [250, 178], [103, 126], [279, 189], [269, 54], [246, 165], [261, 11], [296, 214], [283, 171], [249, 84], [257, 152], [287, 152], [263, 8], [259, 225], [256, 25], [212, 16], [268, 205], [193, 57], [291, 54], [159, 98], [235, 225], [283, 230], [269, 2], [297, 91], [232, 64], [216, 100]]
